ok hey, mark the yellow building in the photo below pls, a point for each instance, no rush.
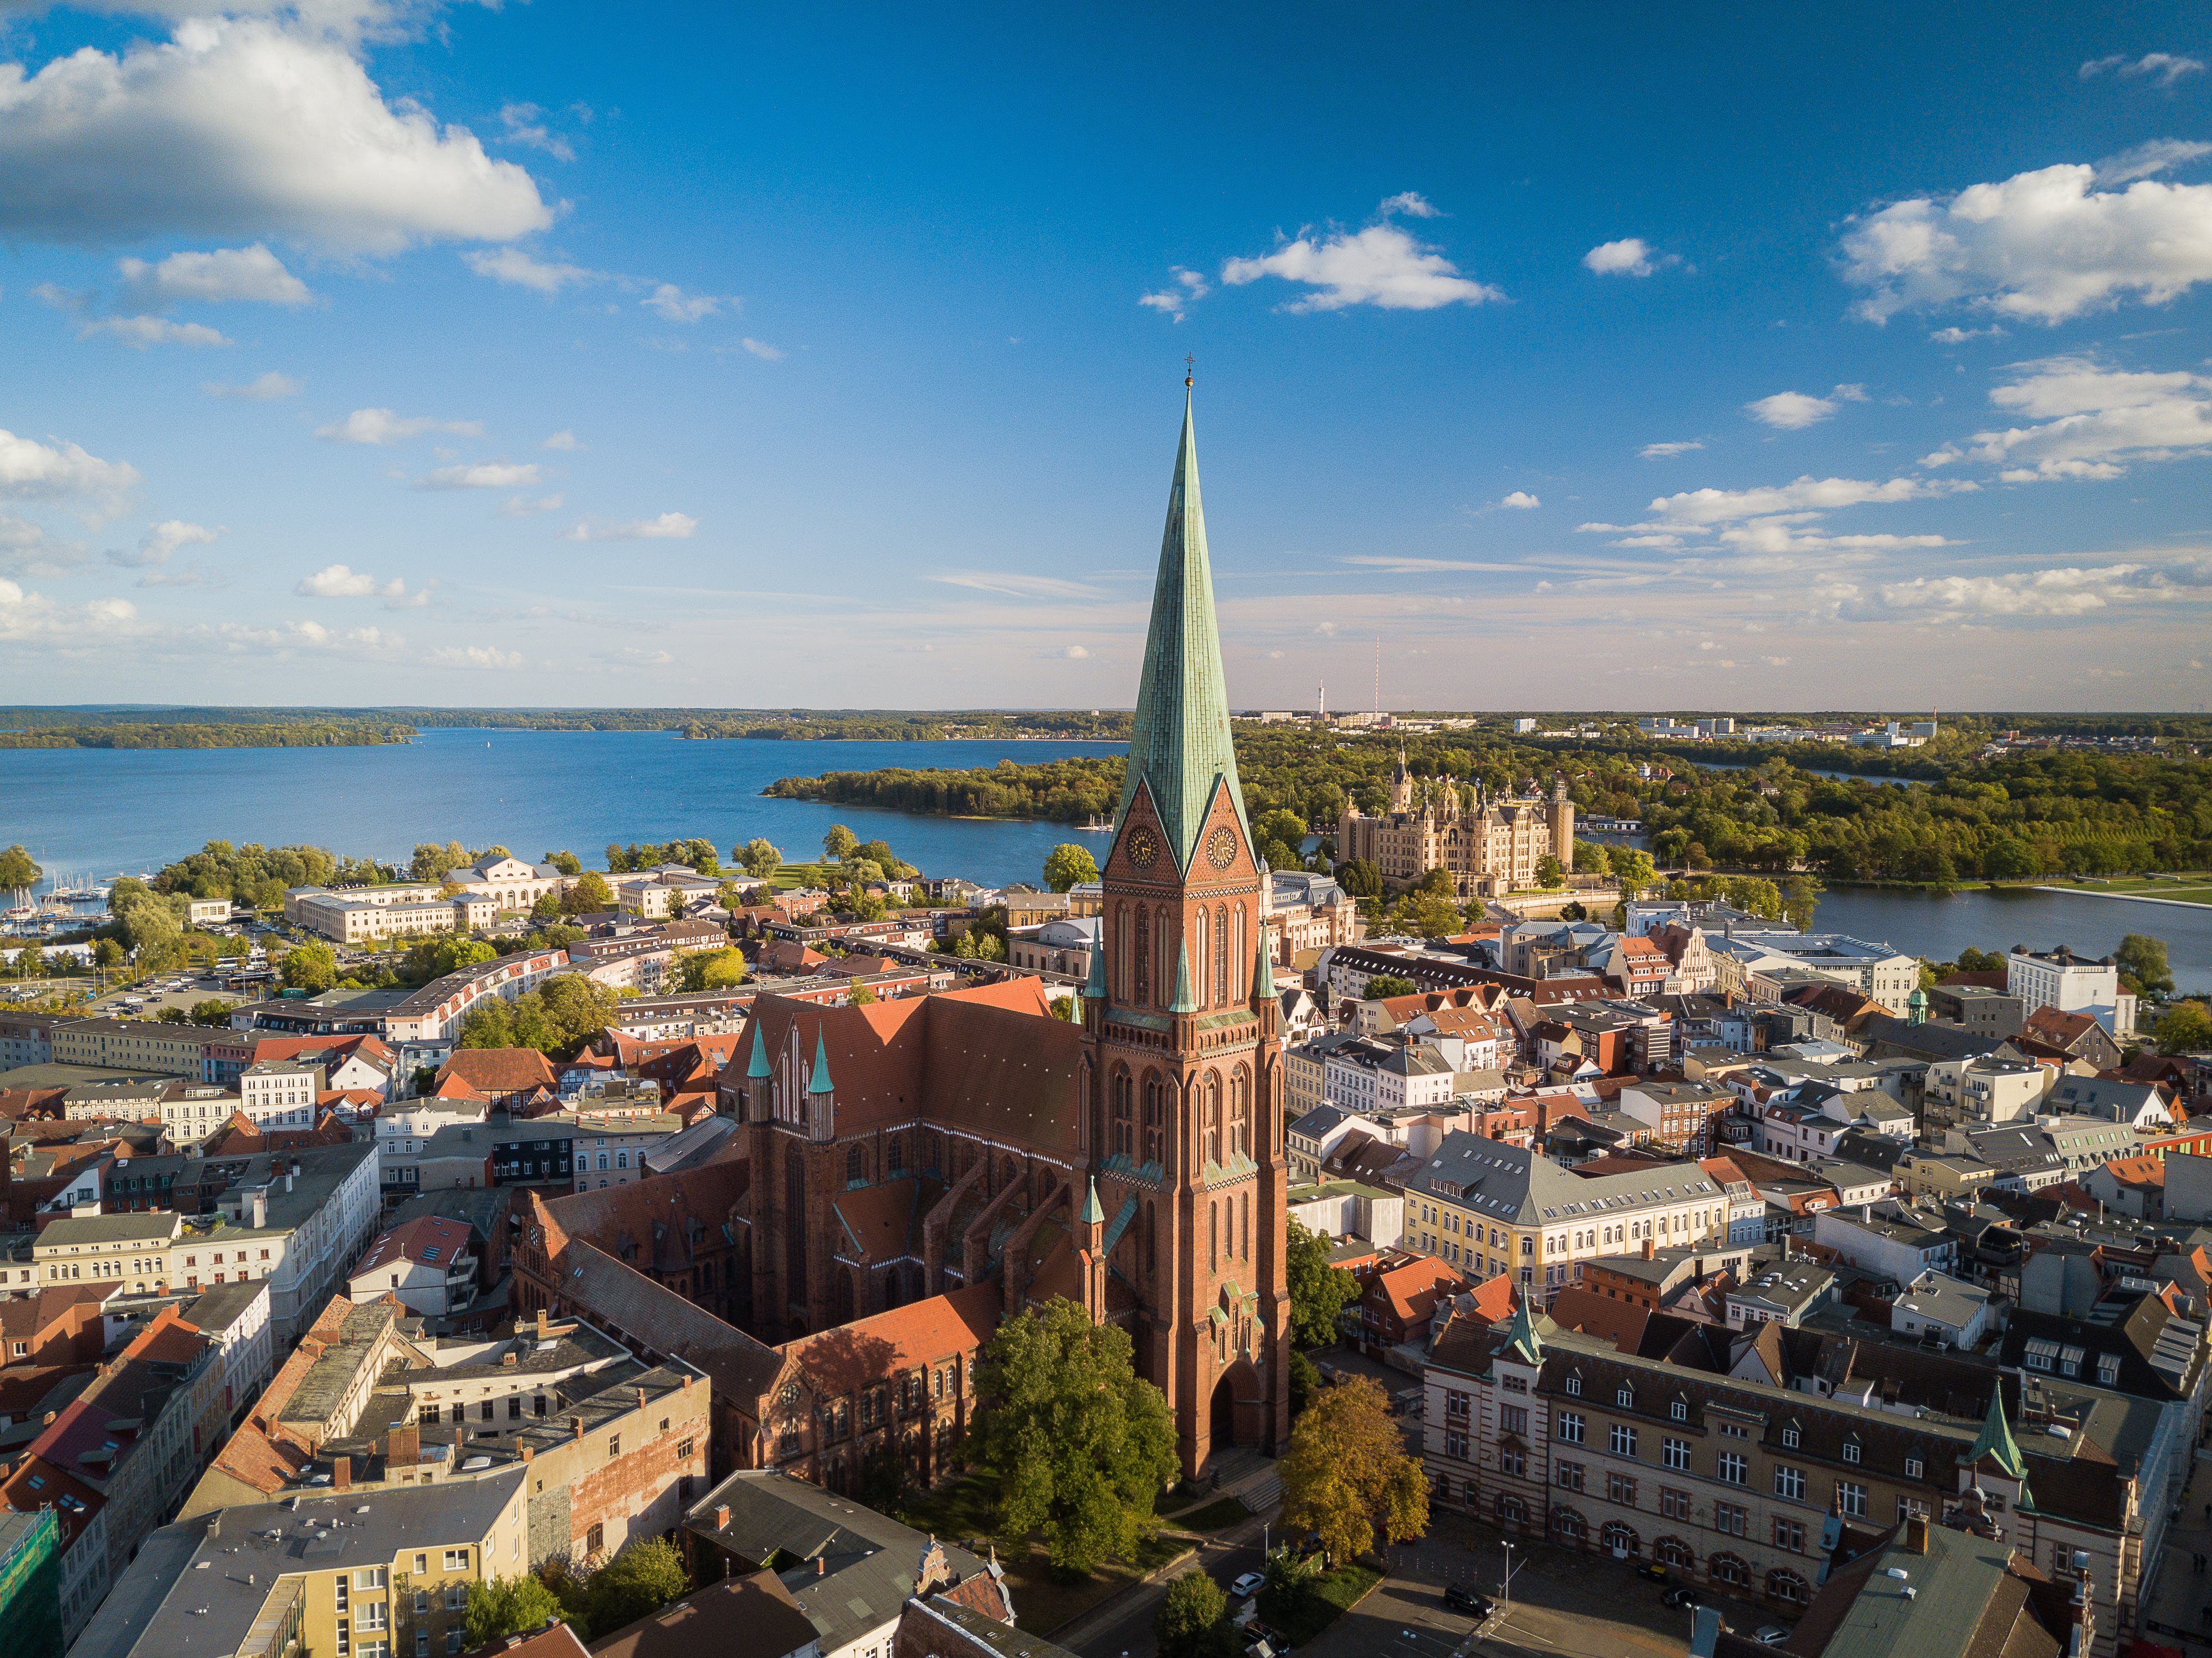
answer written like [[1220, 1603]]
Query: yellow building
[[340, 1574]]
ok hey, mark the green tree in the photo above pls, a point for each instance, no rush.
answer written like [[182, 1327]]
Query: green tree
[[1801, 898], [2184, 1028], [433, 958], [30, 963], [759, 859], [106, 955], [588, 895], [312, 966], [1980, 961], [1319, 1291], [567, 862], [637, 1582], [574, 1010], [837, 842], [211, 1012], [431, 861], [1385, 985], [2011, 859], [17, 871], [1346, 1474], [1434, 918], [1068, 864], [490, 1023], [1548, 872], [859, 996], [547, 909], [2143, 965], [1632, 868], [712, 969], [1080, 1443], [1360, 877], [1305, 1382], [1192, 1617], [1592, 857], [508, 1606]]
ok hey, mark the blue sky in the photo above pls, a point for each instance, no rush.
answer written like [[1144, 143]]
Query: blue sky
[[372, 352]]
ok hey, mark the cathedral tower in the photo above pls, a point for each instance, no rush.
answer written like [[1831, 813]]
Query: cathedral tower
[[1182, 1077]]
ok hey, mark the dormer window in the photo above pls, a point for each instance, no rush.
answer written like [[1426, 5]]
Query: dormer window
[[1625, 1398], [1850, 1450], [1680, 1410], [1791, 1437], [1575, 1386]]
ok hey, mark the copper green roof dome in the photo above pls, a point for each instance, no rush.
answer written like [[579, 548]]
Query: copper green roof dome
[[1180, 745]]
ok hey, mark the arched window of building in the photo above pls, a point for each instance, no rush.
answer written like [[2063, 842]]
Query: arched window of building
[[1164, 976], [853, 1165], [894, 1157], [1155, 1120], [1244, 1206], [1198, 959], [1240, 1125], [1213, 1117], [1221, 955], [1140, 959], [1122, 1141], [1120, 957], [1213, 1236]]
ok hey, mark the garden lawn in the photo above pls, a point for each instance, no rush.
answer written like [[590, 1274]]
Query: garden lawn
[[1321, 1601], [1223, 1511], [961, 1512]]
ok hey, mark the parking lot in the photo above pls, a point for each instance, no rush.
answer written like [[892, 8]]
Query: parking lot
[[155, 994]]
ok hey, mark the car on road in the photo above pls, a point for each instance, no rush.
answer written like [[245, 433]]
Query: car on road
[[1246, 1583], [1772, 1635], [1681, 1595], [1460, 1598], [1655, 1571]]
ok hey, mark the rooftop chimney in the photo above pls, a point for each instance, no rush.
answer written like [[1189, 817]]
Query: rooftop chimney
[[1916, 1532], [1649, 1249], [527, 1453], [215, 1524], [261, 1207], [577, 1424], [341, 1472], [821, 1567], [641, 1398], [721, 1516]]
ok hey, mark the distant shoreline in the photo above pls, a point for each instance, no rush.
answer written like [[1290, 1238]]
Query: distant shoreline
[[2126, 897]]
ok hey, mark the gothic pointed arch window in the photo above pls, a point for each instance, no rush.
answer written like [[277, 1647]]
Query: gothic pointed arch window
[[1140, 959], [1163, 945], [1120, 953], [1122, 1141], [1213, 1118], [1202, 926], [1221, 955], [1240, 1114]]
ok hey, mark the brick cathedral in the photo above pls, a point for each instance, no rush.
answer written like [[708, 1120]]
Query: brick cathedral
[[1132, 1161]]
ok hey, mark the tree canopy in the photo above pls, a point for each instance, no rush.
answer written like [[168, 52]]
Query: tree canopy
[[312, 965], [1346, 1474], [712, 969], [759, 859], [838, 841], [1385, 985], [2184, 1028], [1081, 1444], [1067, 865], [1192, 1619], [508, 1606], [17, 871], [2141, 961], [644, 1577], [1319, 1291], [588, 895]]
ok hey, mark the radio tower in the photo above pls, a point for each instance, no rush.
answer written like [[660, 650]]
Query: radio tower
[[1321, 701]]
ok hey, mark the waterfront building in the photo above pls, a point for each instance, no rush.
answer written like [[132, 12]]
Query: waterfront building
[[1489, 847]]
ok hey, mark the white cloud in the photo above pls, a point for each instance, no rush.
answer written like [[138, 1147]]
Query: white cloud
[[514, 266], [139, 332], [2068, 591], [1521, 499], [2091, 420], [763, 351], [483, 475], [525, 125], [32, 619], [1959, 335], [161, 541], [1189, 285], [253, 274], [1629, 257], [672, 304], [272, 387], [1792, 411], [381, 426], [2043, 247], [239, 126], [30, 470], [1015, 585], [338, 581], [1410, 203], [524, 507], [1381, 265], [475, 656], [2160, 68], [2146, 160], [26, 550], [1661, 451], [1070, 653], [238, 636], [669, 526], [1705, 507], [563, 440]]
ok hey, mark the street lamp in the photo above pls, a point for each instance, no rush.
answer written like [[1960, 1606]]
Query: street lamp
[[1505, 1587]]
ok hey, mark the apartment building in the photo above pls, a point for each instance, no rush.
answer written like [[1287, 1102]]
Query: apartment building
[[1489, 1207], [2072, 984], [1765, 965], [433, 1012], [1681, 1114], [1379, 1074], [142, 1045], [1989, 1088], [1738, 1478], [280, 1093], [383, 1574]]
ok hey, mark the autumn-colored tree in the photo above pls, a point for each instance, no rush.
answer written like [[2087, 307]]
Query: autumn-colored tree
[[1346, 1474]]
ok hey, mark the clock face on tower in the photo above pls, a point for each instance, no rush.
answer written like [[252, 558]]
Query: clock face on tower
[[1144, 848], [1221, 847]]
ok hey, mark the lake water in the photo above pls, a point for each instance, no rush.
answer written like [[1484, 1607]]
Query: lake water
[[100, 811]]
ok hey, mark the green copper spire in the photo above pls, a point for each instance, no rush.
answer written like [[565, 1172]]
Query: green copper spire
[[1520, 1334], [1995, 1440], [1096, 985], [1180, 745], [1263, 969], [758, 1068], [819, 1083], [1094, 1212], [1184, 1001]]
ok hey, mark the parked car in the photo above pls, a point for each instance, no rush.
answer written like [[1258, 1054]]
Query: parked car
[[1460, 1598], [1772, 1635], [1680, 1596], [1655, 1571], [1246, 1583]]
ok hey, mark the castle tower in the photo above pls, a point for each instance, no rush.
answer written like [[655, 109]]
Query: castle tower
[[1182, 1077], [1561, 816]]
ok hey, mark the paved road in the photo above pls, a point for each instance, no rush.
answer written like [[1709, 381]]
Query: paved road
[[1227, 1555]]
